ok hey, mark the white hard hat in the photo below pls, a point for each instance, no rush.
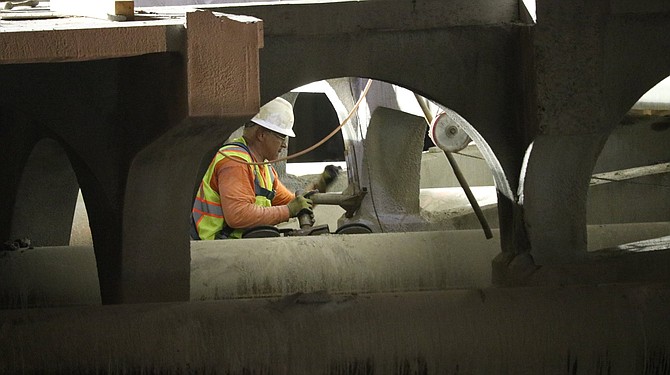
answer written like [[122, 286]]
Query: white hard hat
[[277, 116]]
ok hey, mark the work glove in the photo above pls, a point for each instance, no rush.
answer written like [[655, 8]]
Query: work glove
[[300, 204], [327, 177]]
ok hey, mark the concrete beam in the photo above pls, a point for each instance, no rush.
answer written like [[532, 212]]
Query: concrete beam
[[613, 329], [269, 267], [357, 263], [81, 39], [339, 264], [380, 15]]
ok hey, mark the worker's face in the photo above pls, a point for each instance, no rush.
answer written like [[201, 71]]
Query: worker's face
[[274, 143]]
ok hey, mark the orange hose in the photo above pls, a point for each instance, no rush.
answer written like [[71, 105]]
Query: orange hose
[[326, 138]]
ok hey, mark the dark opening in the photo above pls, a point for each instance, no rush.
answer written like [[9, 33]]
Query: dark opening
[[315, 118]]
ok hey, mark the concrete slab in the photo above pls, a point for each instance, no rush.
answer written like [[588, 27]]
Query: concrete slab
[[340, 264], [48, 276], [80, 39], [614, 329], [357, 263]]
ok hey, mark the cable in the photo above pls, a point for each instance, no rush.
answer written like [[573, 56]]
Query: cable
[[314, 146]]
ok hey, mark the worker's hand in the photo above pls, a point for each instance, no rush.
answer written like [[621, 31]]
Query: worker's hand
[[327, 177], [299, 205]]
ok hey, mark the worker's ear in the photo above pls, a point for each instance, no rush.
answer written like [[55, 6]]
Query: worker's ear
[[258, 134]]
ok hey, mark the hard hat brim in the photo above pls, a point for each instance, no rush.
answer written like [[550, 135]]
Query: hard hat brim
[[273, 127]]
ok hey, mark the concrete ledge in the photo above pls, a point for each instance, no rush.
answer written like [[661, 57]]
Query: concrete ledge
[[49, 276], [81, 39], [338, 264], [615, 329], [317, 18], [357, 263], [270, 267]]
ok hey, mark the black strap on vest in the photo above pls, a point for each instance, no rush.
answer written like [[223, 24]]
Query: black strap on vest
[[258, 190]]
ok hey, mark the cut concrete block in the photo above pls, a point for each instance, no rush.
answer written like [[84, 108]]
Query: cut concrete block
[[231, 86]]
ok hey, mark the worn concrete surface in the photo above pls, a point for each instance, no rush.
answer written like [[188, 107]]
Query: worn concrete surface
[[341, 264], [81, 39], [589, 74], [606, 329], [114, 96], [49, 276], [561, 85], [393, 262], [436, 171], [271, 267], [128, 124]]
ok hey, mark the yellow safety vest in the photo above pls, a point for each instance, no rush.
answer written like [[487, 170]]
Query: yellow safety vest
[[207, 221]]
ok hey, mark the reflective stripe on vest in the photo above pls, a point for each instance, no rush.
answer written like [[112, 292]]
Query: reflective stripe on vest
[[207, 215]]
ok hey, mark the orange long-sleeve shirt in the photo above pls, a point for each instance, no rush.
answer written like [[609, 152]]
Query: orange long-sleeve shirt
[[235, 183]]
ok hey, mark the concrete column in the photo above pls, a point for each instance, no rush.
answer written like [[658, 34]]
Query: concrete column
[[136, 107], [221, 65], [591, 74], [570, 129]]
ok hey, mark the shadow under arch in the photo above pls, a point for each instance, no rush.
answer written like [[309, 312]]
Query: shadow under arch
[[628, 191], [46, 197], [43, 270], [561, 161]]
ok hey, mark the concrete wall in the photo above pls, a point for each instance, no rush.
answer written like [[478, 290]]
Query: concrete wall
[[140, 120], [589, 74], [116, 99], [139, 108], [639, 141], [615, 329]]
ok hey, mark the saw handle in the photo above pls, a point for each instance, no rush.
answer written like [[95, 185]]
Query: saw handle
[[26, 3], [305, 216]]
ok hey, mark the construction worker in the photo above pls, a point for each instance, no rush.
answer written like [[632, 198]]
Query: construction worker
[[234, 196]]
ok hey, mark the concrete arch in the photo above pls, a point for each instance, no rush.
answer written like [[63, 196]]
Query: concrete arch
[[468, 59], [408, 60], [386, 133], [467, 56], [631, 170], [123, 112], [46, 197], [161, 181], [578, 109], [93, 117], [38, 181], [159, 196], [554, 195]]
